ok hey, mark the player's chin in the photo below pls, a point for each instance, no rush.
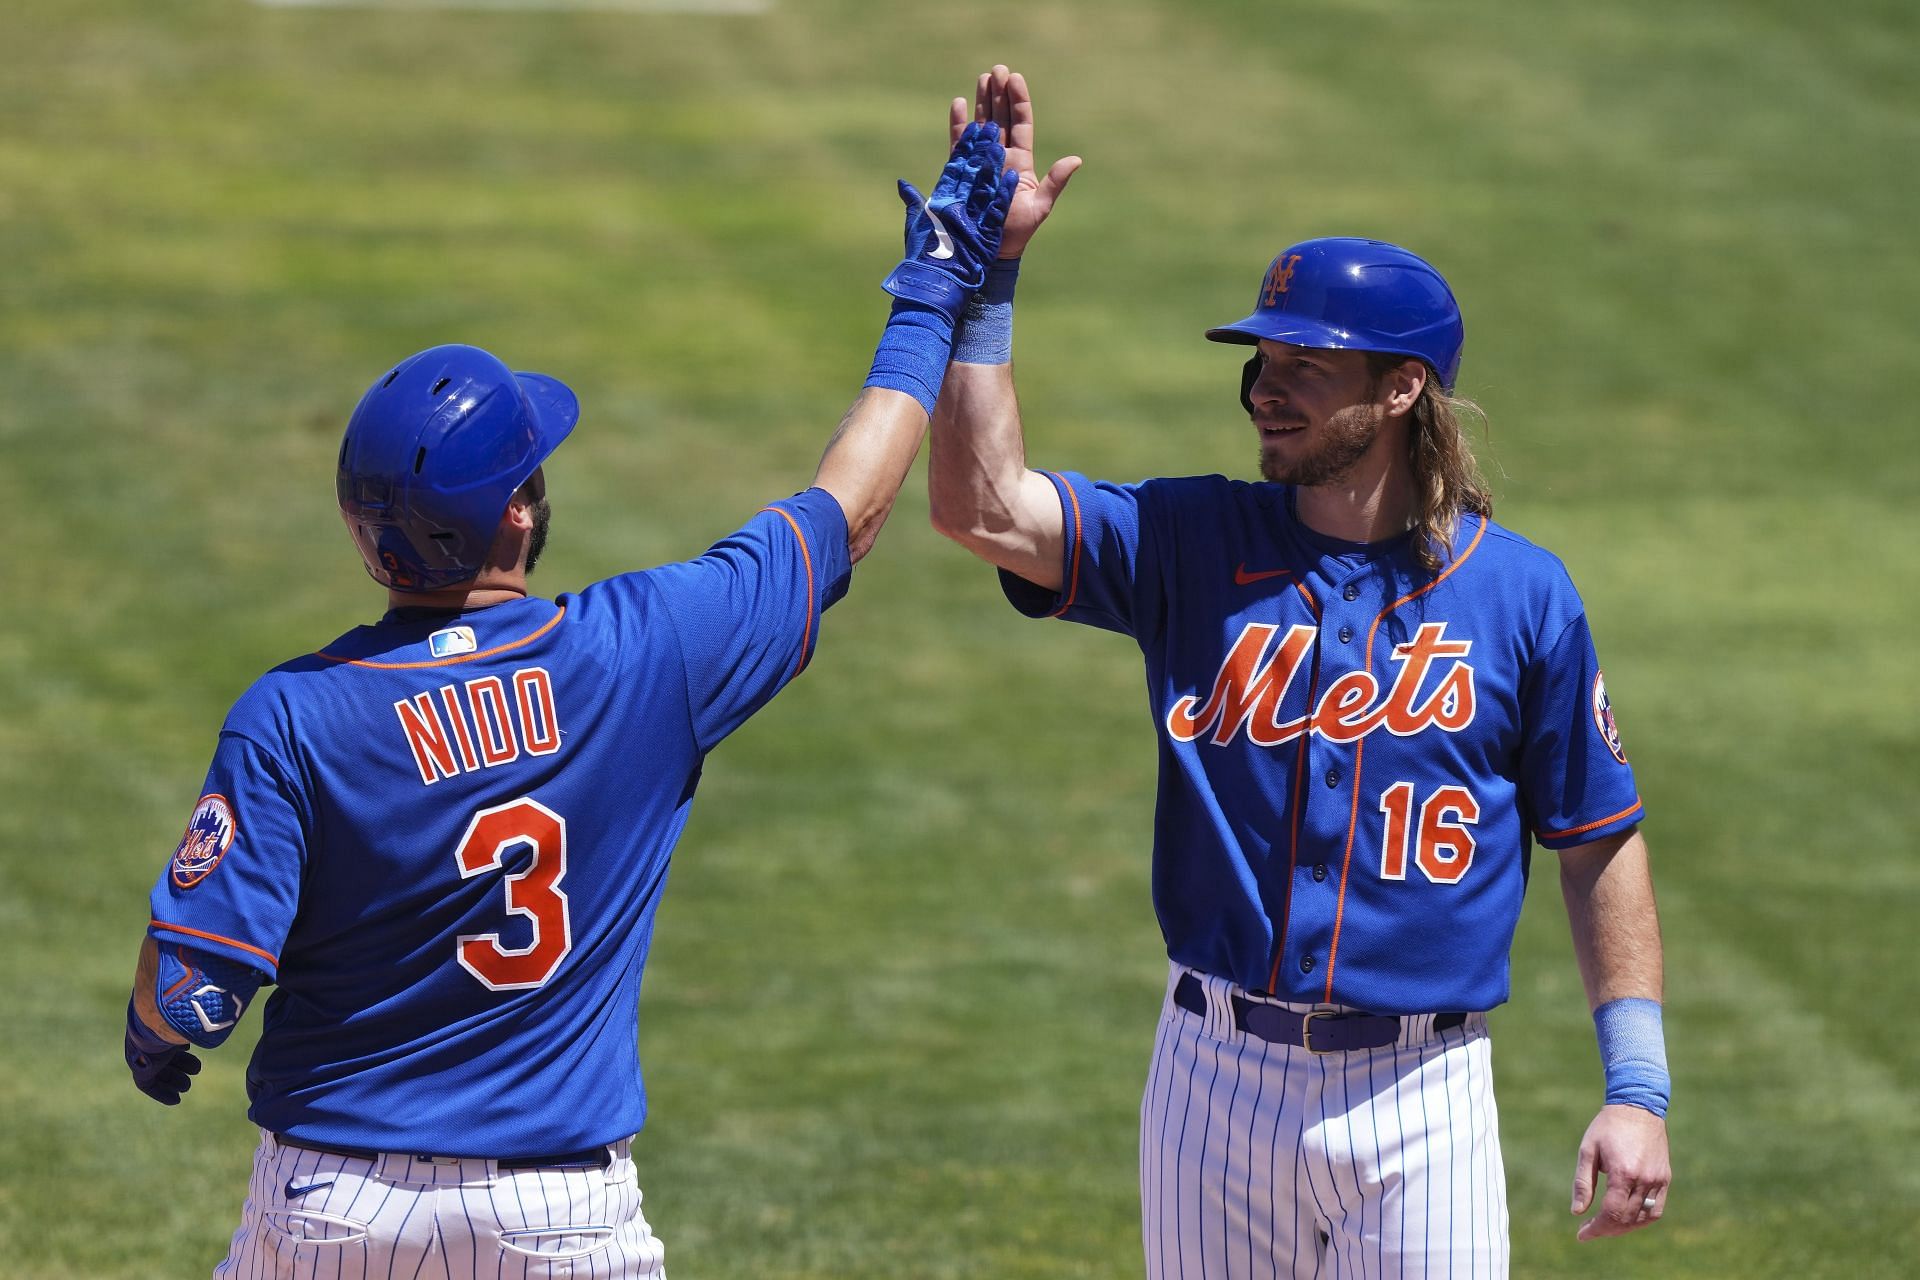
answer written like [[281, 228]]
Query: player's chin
[[1279, 456]]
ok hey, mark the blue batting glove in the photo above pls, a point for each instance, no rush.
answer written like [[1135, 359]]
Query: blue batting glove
[[161, 1069], [953, 236]]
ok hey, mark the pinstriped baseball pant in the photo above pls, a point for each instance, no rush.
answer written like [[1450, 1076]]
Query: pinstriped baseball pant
[[1266, 1162], [313, 1215]]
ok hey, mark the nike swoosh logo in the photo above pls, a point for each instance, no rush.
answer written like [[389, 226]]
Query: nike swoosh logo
[[944, 248], [294, 1193], [1241, 578]]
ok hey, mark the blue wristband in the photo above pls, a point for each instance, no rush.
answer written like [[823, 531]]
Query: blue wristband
[[985, 332], [913, 352], [1633, 1051]]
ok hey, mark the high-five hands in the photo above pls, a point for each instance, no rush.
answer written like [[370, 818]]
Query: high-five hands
[[954, 234], [1001, 98]]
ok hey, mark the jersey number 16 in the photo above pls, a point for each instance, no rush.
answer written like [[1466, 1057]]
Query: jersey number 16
[[1442, 844]]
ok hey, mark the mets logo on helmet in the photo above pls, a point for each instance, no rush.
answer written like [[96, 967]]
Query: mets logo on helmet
[[1603, 717], [1279, 278], [208, 836]]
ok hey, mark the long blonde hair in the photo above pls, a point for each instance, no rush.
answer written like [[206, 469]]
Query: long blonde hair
[[1446, 477]]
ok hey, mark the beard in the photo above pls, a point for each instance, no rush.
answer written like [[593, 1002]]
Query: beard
[[537, 543], [1345, 440]]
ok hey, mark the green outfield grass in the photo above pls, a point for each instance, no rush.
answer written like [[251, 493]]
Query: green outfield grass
[[899, 1011]]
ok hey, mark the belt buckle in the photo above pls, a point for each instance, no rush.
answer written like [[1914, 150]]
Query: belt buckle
[[1306, 1031]]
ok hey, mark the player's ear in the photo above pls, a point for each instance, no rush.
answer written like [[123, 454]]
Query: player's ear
[[1402, 385], [520, 512], [518, 515]]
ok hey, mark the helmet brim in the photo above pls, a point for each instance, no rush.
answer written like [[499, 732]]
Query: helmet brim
[[556, 409], [1297, 332], [1279, 327]]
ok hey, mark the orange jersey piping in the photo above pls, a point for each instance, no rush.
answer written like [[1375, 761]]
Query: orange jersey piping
[[1591, 826], [268, 956], [1359, 749], [1073, 578], [806, 558], [1299, 776], [448, 662]]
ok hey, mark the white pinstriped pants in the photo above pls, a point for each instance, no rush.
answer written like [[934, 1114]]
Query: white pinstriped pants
[[311, 1215], [1266, 1162]]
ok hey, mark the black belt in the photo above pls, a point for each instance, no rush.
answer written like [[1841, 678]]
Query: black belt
[[1323, 1031], [589, 1157]]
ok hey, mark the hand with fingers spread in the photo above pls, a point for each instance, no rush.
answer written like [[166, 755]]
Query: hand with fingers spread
[[1628, 1146], [1001, 98]]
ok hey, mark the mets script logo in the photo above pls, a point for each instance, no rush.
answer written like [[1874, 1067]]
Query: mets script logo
[[1251, 687], [1279, 277], [208, 837], [1603, 717]]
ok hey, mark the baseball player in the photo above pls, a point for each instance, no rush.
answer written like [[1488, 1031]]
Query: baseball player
[[1370, 702], [443, 837]]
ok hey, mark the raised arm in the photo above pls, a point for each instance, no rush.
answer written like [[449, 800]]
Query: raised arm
[[867, 460], [1608, 887], [952, 236], [980, 492]]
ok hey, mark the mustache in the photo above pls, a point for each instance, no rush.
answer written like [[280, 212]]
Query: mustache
[[1279, 417]]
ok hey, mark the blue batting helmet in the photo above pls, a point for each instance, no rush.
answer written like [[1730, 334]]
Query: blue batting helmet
[[1343, 293], [432, 456]]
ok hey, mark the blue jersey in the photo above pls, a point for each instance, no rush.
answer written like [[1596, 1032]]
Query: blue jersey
[[445, 836], [1354, 754]]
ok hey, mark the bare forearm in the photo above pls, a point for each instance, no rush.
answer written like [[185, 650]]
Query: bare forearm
[[867, 460], [980, 492], [144, 1003], [1608, 887]]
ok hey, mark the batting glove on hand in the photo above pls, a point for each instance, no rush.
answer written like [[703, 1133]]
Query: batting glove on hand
[[161, 1069], [954, 235]]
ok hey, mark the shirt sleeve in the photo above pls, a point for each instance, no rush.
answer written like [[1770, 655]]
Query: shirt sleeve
[[1105, 561], [747, 613], [232, 886], [1575, 778]]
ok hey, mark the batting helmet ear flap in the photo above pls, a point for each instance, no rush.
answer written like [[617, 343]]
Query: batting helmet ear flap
[[1249, 374]]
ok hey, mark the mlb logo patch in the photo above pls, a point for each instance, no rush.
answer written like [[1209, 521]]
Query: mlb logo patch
[[209, 835], [452, 642]]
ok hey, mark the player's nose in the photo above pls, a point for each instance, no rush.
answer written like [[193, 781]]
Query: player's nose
[[1271, 385]]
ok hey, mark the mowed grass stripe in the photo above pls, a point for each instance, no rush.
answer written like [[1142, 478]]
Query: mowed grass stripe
[[718, 7]]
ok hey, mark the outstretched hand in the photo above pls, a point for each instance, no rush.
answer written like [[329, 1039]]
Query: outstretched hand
[[953, 234], [1001, 98], [1629, 1146]]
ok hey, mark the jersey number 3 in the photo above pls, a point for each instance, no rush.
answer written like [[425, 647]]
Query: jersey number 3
[[1443, 846], [533, 893]]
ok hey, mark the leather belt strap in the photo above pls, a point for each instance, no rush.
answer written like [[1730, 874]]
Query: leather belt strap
[[586, 1158], [1319, 1032]]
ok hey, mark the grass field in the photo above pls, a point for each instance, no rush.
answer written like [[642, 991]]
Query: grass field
[[899, 1012]]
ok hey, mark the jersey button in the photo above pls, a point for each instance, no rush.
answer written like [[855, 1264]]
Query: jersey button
[[1319, 871], [1351, 593], [1333, 777], [1346, 634], [1306, 964]]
